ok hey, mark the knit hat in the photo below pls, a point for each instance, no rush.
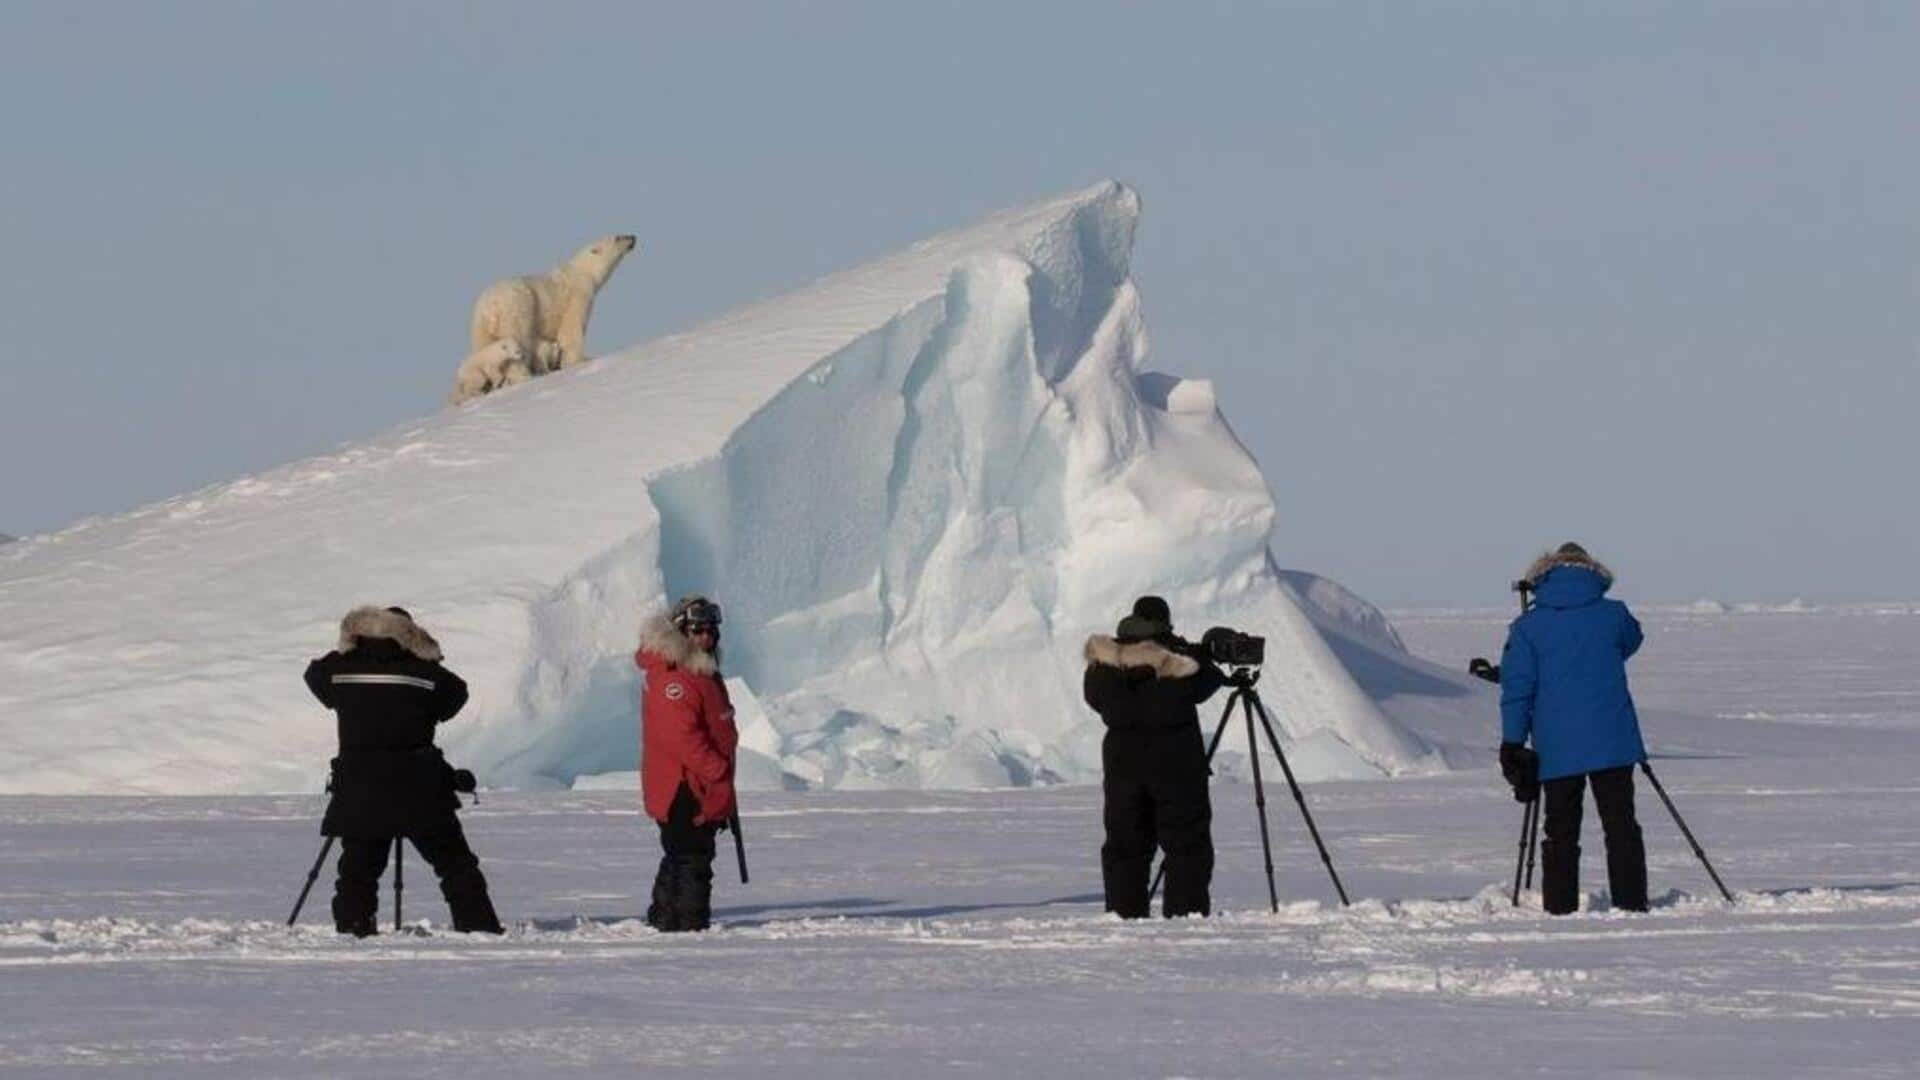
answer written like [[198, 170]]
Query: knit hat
[[1151, 618]]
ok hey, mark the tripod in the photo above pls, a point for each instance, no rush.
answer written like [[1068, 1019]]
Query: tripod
[[1529, 844], [1244, 695], [398, 876], [1530, 816]]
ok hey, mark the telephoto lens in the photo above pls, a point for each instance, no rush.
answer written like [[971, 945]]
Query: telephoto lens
[[1232, 648]]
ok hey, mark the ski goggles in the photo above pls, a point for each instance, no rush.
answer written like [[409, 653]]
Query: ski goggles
[[699, 615]]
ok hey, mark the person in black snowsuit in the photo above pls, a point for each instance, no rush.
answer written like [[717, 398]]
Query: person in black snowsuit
[[1146, 683], [389, 690]]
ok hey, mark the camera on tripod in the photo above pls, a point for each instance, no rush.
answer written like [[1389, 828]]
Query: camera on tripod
[[1231, 648]]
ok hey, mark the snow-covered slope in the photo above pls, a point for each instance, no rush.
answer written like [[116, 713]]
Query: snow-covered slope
[[915, 487]]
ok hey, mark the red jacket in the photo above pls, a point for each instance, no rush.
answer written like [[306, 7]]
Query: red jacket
[[686, 725]]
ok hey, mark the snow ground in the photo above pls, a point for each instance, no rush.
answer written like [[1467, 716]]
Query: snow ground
[[910, 933]]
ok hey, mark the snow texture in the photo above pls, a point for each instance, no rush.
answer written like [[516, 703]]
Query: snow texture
[[915, 487], [890, 934]]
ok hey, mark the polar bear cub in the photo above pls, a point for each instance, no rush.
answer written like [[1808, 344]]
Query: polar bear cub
[[501, 363], [549, 308]]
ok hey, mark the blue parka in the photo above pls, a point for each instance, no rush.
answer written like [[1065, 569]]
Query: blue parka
[[1563, 675]]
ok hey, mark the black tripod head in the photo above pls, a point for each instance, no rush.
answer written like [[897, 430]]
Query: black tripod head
[[1243, 678], [1525, 588]]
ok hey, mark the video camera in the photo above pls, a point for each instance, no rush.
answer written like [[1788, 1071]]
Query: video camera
[[1231, 648]]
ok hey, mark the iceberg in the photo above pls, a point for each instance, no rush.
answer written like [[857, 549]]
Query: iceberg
[[915, 487]]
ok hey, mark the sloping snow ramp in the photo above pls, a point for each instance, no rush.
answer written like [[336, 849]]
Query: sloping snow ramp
[[915, 487]]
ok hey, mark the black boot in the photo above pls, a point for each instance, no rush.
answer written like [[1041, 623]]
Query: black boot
[[352, 915], [465, 891], [663, 914], [695, 893], [1627, 870], [1560, 877], [461, 882], [473, 913], [1125, 881]]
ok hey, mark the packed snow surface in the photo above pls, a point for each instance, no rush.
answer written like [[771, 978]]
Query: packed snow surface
[[915, 487], [899, 933]]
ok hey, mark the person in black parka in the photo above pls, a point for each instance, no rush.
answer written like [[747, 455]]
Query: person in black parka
[[1146, 683], [387, 686]]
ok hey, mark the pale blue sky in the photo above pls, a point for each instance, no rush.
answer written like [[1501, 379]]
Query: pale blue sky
[[1472, 278]]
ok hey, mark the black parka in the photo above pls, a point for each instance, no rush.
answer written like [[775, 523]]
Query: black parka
[[389, 691]]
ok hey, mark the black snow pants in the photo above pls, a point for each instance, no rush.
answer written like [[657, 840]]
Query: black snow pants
[[1560, 854], [683, 886], [1156, 796], [356, 894]]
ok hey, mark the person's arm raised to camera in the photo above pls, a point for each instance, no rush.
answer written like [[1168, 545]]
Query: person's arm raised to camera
[[319, 678], [1631, 636], [449, 695], [1202, 684], [1519, 676]]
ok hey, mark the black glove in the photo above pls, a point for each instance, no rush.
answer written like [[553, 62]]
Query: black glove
[[1521, 767], [1481, 668]]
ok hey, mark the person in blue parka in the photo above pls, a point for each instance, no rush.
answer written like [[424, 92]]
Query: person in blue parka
[[1563, 685]]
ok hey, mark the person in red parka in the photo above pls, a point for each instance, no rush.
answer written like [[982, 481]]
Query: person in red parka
[[687, 742]]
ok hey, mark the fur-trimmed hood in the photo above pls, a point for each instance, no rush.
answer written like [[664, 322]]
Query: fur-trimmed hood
[[660, 637], [378, 622], [1553, 560], [1166, 663]]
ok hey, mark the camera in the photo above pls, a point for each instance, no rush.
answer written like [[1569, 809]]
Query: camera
[[1227, 646], [458, 780]]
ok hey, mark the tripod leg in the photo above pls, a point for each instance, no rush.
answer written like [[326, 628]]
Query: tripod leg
[[1684, 831], [739, 845], [1225, 715], [398, 854], [1274, 741], [1260, 803], [1520, 858], [312, 875], [1533, 840]]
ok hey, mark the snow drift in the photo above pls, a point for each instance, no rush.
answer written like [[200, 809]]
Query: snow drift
[[915, 487]]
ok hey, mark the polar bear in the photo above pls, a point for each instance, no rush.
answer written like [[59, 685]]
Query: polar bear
[[502, 363], [549, 308]]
